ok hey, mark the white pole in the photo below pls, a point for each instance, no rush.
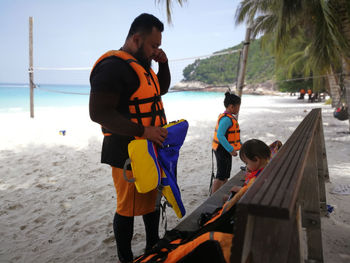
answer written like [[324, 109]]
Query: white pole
[[31, 73]]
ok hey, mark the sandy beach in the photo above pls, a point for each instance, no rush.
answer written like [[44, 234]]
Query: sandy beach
[[57, 200]]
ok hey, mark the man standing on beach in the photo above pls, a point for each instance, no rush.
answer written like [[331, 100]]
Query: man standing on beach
[[125, 99]]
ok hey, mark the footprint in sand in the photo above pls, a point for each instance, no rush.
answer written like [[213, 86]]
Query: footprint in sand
[[41, 186], [108, 240], [15, 207]]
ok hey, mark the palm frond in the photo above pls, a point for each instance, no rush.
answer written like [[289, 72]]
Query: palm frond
[[246, 12], [264, 24], [169, 4]]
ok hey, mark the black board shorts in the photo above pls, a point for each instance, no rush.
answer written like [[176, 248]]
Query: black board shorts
[[223, 163]]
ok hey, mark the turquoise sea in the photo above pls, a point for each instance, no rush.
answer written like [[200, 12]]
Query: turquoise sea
[[15, 97]]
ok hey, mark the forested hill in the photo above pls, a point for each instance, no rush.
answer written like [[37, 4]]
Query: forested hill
[[222, 69]]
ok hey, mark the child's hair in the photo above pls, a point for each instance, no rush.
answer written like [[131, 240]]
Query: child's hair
[[231, 98], [255, 148]]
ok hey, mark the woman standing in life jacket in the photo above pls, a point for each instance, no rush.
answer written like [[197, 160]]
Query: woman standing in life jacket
[[125, 99], [226, 141]]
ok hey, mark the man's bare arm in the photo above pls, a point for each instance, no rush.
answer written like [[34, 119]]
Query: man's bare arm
[[163, 74]]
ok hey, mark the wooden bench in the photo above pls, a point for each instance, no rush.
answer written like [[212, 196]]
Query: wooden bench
[[288, 195]]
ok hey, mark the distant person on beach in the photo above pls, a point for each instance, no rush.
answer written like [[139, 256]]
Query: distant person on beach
[[309, 93], [302, 94], [226, 141], [125, 99]]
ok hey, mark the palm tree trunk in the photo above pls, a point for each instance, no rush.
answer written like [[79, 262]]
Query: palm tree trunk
[[334, 89], [345, 22], [346, 81]]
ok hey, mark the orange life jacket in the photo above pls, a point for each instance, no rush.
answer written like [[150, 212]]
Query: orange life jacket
[[210, 245], [224, 240], [309, 91], [232, 134], [145, 104]]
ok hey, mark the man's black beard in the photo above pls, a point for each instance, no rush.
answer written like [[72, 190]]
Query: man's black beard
[[140, 56]]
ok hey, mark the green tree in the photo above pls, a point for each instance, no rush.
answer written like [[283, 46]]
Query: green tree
[[222, 69], [324, 23]]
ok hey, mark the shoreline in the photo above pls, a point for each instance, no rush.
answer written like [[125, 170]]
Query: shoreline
[[265, 88]]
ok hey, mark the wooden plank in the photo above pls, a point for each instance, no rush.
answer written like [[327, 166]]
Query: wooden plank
[[324, 152], [266, 245], [314, 236], [321, 172], [243, 230], [290, 197], [190, 223], [309, 200], [291, 170], [275, 189], [293, 173], [296, 248], [248, 239], [262, 183], [260, 187], [260, 203], [247, 231]]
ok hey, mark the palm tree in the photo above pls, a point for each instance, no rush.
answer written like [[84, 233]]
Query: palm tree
[[168, 4], [325, 24], [344, 16]]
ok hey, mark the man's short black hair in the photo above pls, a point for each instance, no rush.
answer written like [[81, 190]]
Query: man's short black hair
[[144, 24]]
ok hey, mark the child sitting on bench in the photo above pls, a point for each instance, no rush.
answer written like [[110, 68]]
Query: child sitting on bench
[[256, 155]]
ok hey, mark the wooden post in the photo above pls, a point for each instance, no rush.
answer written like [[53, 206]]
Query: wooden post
[[31, 73], [240, 80], [309, 198], [324, 153], [322, 166]]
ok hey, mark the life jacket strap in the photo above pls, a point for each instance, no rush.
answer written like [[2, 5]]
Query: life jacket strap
[[159, 196], [156, 110], [137, 101], [161, 206], [238, 131], [125, 167]]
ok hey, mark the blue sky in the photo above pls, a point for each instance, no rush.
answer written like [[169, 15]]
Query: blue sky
[[74, 33]]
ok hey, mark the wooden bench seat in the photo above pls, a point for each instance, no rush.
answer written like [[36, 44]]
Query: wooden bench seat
[[190, 223]]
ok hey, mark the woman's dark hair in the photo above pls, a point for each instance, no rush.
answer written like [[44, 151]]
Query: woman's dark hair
[[231, 98], [144, 24], [255, 148]]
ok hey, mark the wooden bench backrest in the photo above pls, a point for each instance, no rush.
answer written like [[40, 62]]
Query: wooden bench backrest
[[289, 192], [275, 191]]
